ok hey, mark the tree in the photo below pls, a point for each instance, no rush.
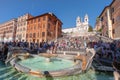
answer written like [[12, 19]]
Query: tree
[[90, 29], [100, 30], [97, 19]]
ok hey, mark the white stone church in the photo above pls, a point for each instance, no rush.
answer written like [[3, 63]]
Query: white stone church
[[81, 28]]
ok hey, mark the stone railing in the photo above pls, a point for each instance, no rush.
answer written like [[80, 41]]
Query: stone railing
[[70, 52]]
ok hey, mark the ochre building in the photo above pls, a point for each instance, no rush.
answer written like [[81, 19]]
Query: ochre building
[[44, 27]]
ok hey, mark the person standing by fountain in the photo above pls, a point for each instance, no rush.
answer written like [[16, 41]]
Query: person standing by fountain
[[52, 45], [5, 52], [55, 47], [85, 44], [48, 76]]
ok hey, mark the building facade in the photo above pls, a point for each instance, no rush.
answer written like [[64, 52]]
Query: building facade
[[44, 27], [105, 23], [8, 31], [22, 27], [110, 20], [81, 28], [115, 17]]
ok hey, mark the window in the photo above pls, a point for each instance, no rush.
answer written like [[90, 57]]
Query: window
[[34, 20], [54, 22], [28, 22], [26, 35], [48, 25], [30, 35], [43, 34], [34, 35], [43, 26], [113, 21], [37, 40], [49, 33], [38, 19], [21, 24], [44, 18], [105, 13], [49, 19], [118, 18], [102, 18], [112, 9], [31, 21], [38, 34], [113, 31], [10, 31], [38, 26], [20, 36]]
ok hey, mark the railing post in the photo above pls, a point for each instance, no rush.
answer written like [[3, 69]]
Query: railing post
[[64, 53], [78, 54]]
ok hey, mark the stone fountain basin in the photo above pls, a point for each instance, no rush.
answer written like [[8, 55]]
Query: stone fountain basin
[[74, 69]]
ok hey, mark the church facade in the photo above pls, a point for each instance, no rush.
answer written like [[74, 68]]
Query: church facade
[[81, 28]]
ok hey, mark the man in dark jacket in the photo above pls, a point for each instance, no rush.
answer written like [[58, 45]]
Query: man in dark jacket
[[5, 51]]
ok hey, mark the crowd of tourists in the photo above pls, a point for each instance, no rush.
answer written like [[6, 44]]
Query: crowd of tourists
[[71, 43], [108, 50], [30, 47], [67, 43]]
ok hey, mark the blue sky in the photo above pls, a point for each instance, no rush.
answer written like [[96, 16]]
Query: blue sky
[[65, 10]]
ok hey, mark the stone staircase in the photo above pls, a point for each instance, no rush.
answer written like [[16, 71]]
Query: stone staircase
[[9, 73]]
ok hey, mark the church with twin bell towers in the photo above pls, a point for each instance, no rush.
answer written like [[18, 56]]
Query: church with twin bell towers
[[81, 27]]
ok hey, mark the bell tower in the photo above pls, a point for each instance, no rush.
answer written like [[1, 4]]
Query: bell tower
[[78, 21], [86, 22], [86, 19]]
